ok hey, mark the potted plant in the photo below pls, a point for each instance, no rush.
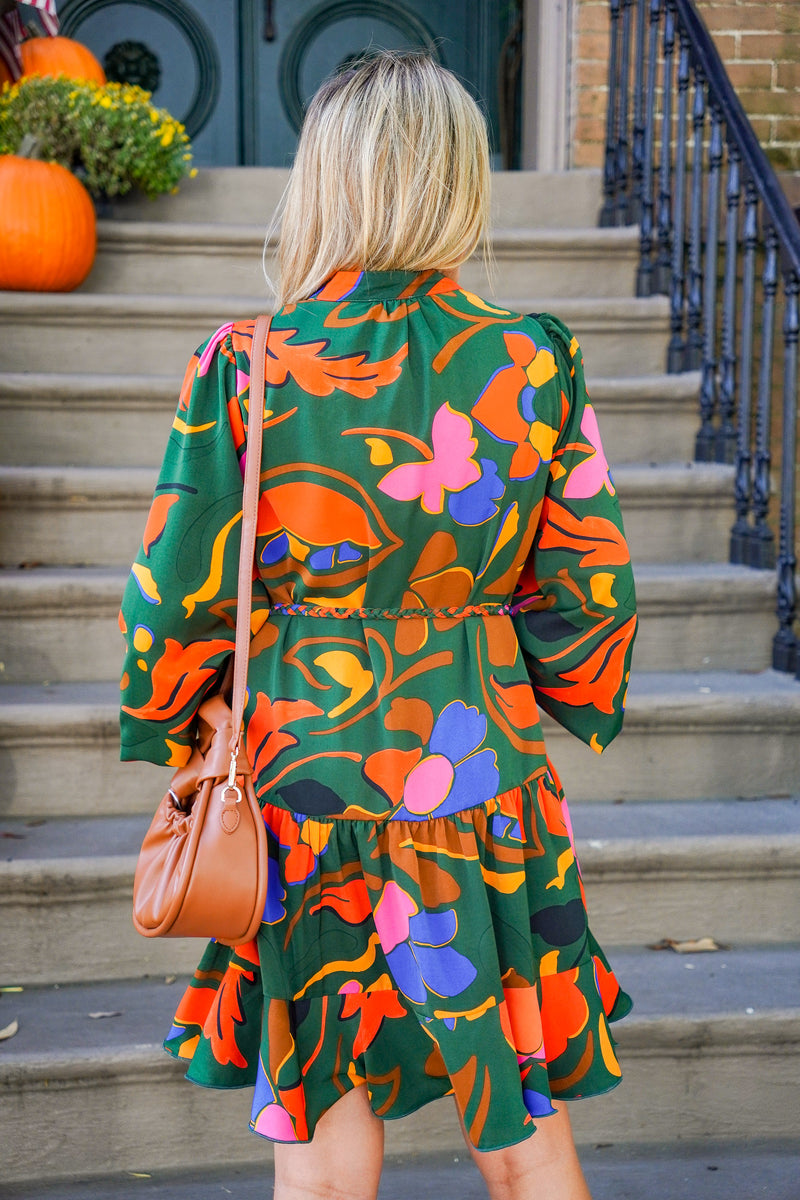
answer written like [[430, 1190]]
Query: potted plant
[[109, 137]]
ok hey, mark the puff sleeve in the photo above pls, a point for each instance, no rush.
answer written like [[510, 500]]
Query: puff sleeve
[[178, 612], [575, 606]]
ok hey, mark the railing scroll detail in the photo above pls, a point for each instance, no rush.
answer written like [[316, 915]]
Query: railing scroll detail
[[683, 162]]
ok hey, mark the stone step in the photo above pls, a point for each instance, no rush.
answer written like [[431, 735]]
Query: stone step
[[61, 623], [713, 616], [81, 1096], [98, 420], [124, 420], [157, 334], [730, 870], [59, 750], [692, 735], [250, 195], [157, 256], [704, 1170], [699, 735], [58, 516], [676, 512], [649, 419], [73, 515]]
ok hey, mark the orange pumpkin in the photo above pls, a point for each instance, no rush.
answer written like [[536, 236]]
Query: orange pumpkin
[[48, 234], [60, 56]]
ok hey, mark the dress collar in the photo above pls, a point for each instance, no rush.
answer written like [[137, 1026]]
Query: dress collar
[[384, 285]]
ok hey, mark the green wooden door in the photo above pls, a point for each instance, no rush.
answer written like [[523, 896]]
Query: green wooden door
[[238, 72]]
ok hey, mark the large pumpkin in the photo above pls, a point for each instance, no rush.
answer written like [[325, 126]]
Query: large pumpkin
[[60, 56], [48, 233]]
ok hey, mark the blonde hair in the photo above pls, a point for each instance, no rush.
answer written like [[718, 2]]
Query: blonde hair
[[391, 174]]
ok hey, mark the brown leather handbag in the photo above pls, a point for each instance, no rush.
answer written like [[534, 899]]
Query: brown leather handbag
[[202, 869]]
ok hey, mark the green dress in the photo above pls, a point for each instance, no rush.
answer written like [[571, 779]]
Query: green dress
[[439, 555]]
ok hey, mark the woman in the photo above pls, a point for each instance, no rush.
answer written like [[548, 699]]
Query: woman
[[439, 549]]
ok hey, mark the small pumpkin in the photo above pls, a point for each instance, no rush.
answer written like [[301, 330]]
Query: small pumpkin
[[48, 234], [60, 56]]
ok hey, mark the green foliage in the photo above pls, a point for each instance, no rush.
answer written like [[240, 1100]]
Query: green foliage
[[112, 137]]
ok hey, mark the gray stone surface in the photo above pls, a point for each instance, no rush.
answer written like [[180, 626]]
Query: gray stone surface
[[24, 840], [745, 982], [668, 1172]]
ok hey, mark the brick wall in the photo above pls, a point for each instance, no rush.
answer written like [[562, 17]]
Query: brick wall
[[759, 41]]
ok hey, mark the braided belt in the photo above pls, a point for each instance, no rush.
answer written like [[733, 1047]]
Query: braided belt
[[454, 612]]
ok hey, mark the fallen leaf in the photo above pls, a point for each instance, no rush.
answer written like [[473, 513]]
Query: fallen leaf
[[170, 978], [10, 988], [98, 1016], [6, 833], [138, 1175], [9, 1031], [699, 945]]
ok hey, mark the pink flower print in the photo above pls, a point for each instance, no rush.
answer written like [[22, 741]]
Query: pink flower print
[[450, 469], [456, 774], [592, 474], [269, 1117], [391, 915], [213, 343]]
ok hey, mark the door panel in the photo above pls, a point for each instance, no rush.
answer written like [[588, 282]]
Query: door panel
[[314, 39], [195, 48], [242, 96]]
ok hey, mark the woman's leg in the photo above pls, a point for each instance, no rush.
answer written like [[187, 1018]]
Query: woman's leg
[[544, 1167], [343, 1160]]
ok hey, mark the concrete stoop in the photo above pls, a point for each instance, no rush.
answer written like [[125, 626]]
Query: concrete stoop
[[687, 736], [156, 334], [94, 516], [730, 870], [714, 1039], [712, 613], [688, 826], [520, 199], [181, 257], [124, 420]]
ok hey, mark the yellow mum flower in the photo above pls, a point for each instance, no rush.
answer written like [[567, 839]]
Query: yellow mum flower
[[167, 136]]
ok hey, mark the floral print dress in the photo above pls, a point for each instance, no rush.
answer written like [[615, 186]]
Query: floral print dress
[[439, 555]]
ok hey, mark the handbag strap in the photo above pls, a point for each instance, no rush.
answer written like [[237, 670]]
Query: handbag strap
[[252, 474]]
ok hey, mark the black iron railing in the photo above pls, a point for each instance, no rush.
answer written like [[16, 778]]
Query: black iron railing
[[719, 237]]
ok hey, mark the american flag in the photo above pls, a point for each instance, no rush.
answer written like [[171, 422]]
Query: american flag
[[11, 32]]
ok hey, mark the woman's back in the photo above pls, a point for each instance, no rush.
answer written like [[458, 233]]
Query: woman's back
[[416, 441]]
